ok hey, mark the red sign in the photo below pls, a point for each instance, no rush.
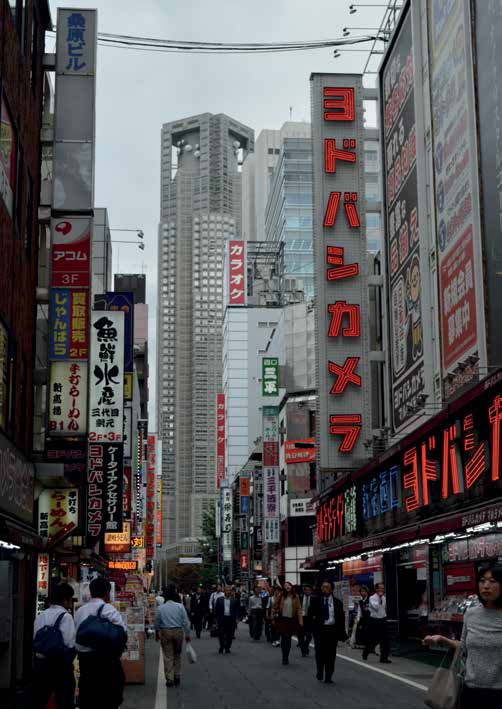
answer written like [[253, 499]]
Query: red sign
[[244, 561], [123, 565], [245, 486], [458, 301], [70, 253], [302, 454], [460, 577], [126, 503], [330, 519], [220, 438], [236, 273], [150, 496]]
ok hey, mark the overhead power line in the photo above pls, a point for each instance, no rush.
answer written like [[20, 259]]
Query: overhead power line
[[154, 44]]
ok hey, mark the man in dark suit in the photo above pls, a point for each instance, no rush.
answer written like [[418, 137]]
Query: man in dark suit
[[197, 610], [226, 611], [328, 627]]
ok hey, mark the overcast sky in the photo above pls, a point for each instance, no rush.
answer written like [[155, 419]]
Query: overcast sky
[[138, 91]]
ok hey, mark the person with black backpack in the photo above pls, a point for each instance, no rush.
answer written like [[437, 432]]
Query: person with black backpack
[[101, 640], [54, 650]]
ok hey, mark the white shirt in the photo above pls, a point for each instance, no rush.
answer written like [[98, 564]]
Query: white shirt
[[66, 626], [378, 609], [160, 600], [214, 597], [331, 607], [227, 606], [91, 608]]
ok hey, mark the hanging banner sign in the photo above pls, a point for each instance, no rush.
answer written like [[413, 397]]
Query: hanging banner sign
[[106, 390], [68, 330], [150, 495], [227, 522], [303, 451], [104, 490], [270, 376], [220, 439], [68, 399], [58, 513], [71, 252], [42, 581], [158, 508], [236, 273]]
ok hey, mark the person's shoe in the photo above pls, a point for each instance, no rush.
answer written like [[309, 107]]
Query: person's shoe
[[177, 681], [320, 676], [277, 643], [227, 652], [386, 662], [169, 683], [220, 651], [328, 681], [365, 655]]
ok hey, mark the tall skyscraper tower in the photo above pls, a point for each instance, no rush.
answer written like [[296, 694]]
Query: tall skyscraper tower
[[200, 209]]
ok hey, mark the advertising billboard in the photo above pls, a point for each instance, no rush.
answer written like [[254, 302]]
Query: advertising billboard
[[402, 227], [106, 386], [58, 513], [488, 24], [271, 472], [226, 522], [151, 487], [119, 542], [68, 398], [71, 252], [340, 254], [270, 376], [220, 439], [104, 504], [125, 303], [456, 180]]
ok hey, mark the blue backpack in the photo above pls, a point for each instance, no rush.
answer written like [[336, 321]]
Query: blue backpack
[[101, 635], [49, 641]]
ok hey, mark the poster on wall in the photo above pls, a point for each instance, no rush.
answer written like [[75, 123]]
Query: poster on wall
[[402, 233], [456, 192]]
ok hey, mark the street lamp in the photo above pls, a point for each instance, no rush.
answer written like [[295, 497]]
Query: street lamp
[[353, 8]]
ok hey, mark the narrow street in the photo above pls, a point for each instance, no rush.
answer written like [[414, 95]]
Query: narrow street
[[252, 677]]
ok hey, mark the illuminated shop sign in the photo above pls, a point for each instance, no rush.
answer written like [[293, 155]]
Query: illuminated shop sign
[[454, 463]]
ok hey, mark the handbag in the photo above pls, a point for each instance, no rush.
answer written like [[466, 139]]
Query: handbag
[[191, 654], [446, 686]]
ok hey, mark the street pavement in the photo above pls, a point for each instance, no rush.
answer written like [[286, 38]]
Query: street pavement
[[252, 677]]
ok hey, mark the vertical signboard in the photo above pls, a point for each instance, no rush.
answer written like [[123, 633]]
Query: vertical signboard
[[220, 439], [244, 491], [42, 581], [488, 23], [456, 191], [226, 522], [73, 164], [104, 490], [150, 495], [125, 303], [106, 385], [236, 273], [402, 227], [71, 252], [58, 513], [68, 399], [340, 255], [68, 324], [270, 376], [271, 483]]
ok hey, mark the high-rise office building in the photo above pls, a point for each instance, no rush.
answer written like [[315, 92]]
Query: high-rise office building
[[200, 210]]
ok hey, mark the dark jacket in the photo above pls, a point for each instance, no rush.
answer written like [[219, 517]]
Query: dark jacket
[[197, 606], [219, 609], [316, 615]]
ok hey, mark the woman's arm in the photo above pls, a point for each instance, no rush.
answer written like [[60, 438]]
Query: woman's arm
[[435, 640]]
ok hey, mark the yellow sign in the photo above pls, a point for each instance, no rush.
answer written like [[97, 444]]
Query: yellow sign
[[127, 386], [119, 542], [137, 543]]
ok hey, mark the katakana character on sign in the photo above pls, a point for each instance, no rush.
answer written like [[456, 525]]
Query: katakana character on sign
[[332, 153], [339, 103], [338, 310], [346, 375], [348, 426], [350, 200], [495, 418], [335, 258]]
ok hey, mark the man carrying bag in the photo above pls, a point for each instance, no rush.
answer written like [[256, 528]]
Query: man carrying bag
[[101, 640]]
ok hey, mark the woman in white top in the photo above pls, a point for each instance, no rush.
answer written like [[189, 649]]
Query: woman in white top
[[481, 643]]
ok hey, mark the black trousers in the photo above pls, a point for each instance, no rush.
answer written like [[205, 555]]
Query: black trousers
[[378, 634], [226, 630], [326, 643], [473, 698], [256, 624], [101, 681], [197, 622], [53, 677], [305, 637]]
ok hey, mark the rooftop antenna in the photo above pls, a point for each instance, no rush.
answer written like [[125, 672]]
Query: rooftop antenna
[[291, 113]]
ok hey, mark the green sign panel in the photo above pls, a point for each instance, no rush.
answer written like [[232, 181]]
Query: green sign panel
[[270, 376], [244, 541]]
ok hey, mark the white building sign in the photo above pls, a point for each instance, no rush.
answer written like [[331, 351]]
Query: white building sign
[[106, 385]]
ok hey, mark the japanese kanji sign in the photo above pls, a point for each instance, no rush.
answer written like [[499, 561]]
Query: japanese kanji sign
[[270, 376], [227, 522], [220, 438], [71, 252], [69, 324], [271, 470], [104, 490], [119, 542], [68, 399], [236, 273], [340, 254], [42, 581], [106, 381], [76, 42], [58, 513], [150, 494]]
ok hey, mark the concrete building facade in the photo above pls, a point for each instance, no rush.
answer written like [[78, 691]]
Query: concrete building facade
[[200, 211]]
